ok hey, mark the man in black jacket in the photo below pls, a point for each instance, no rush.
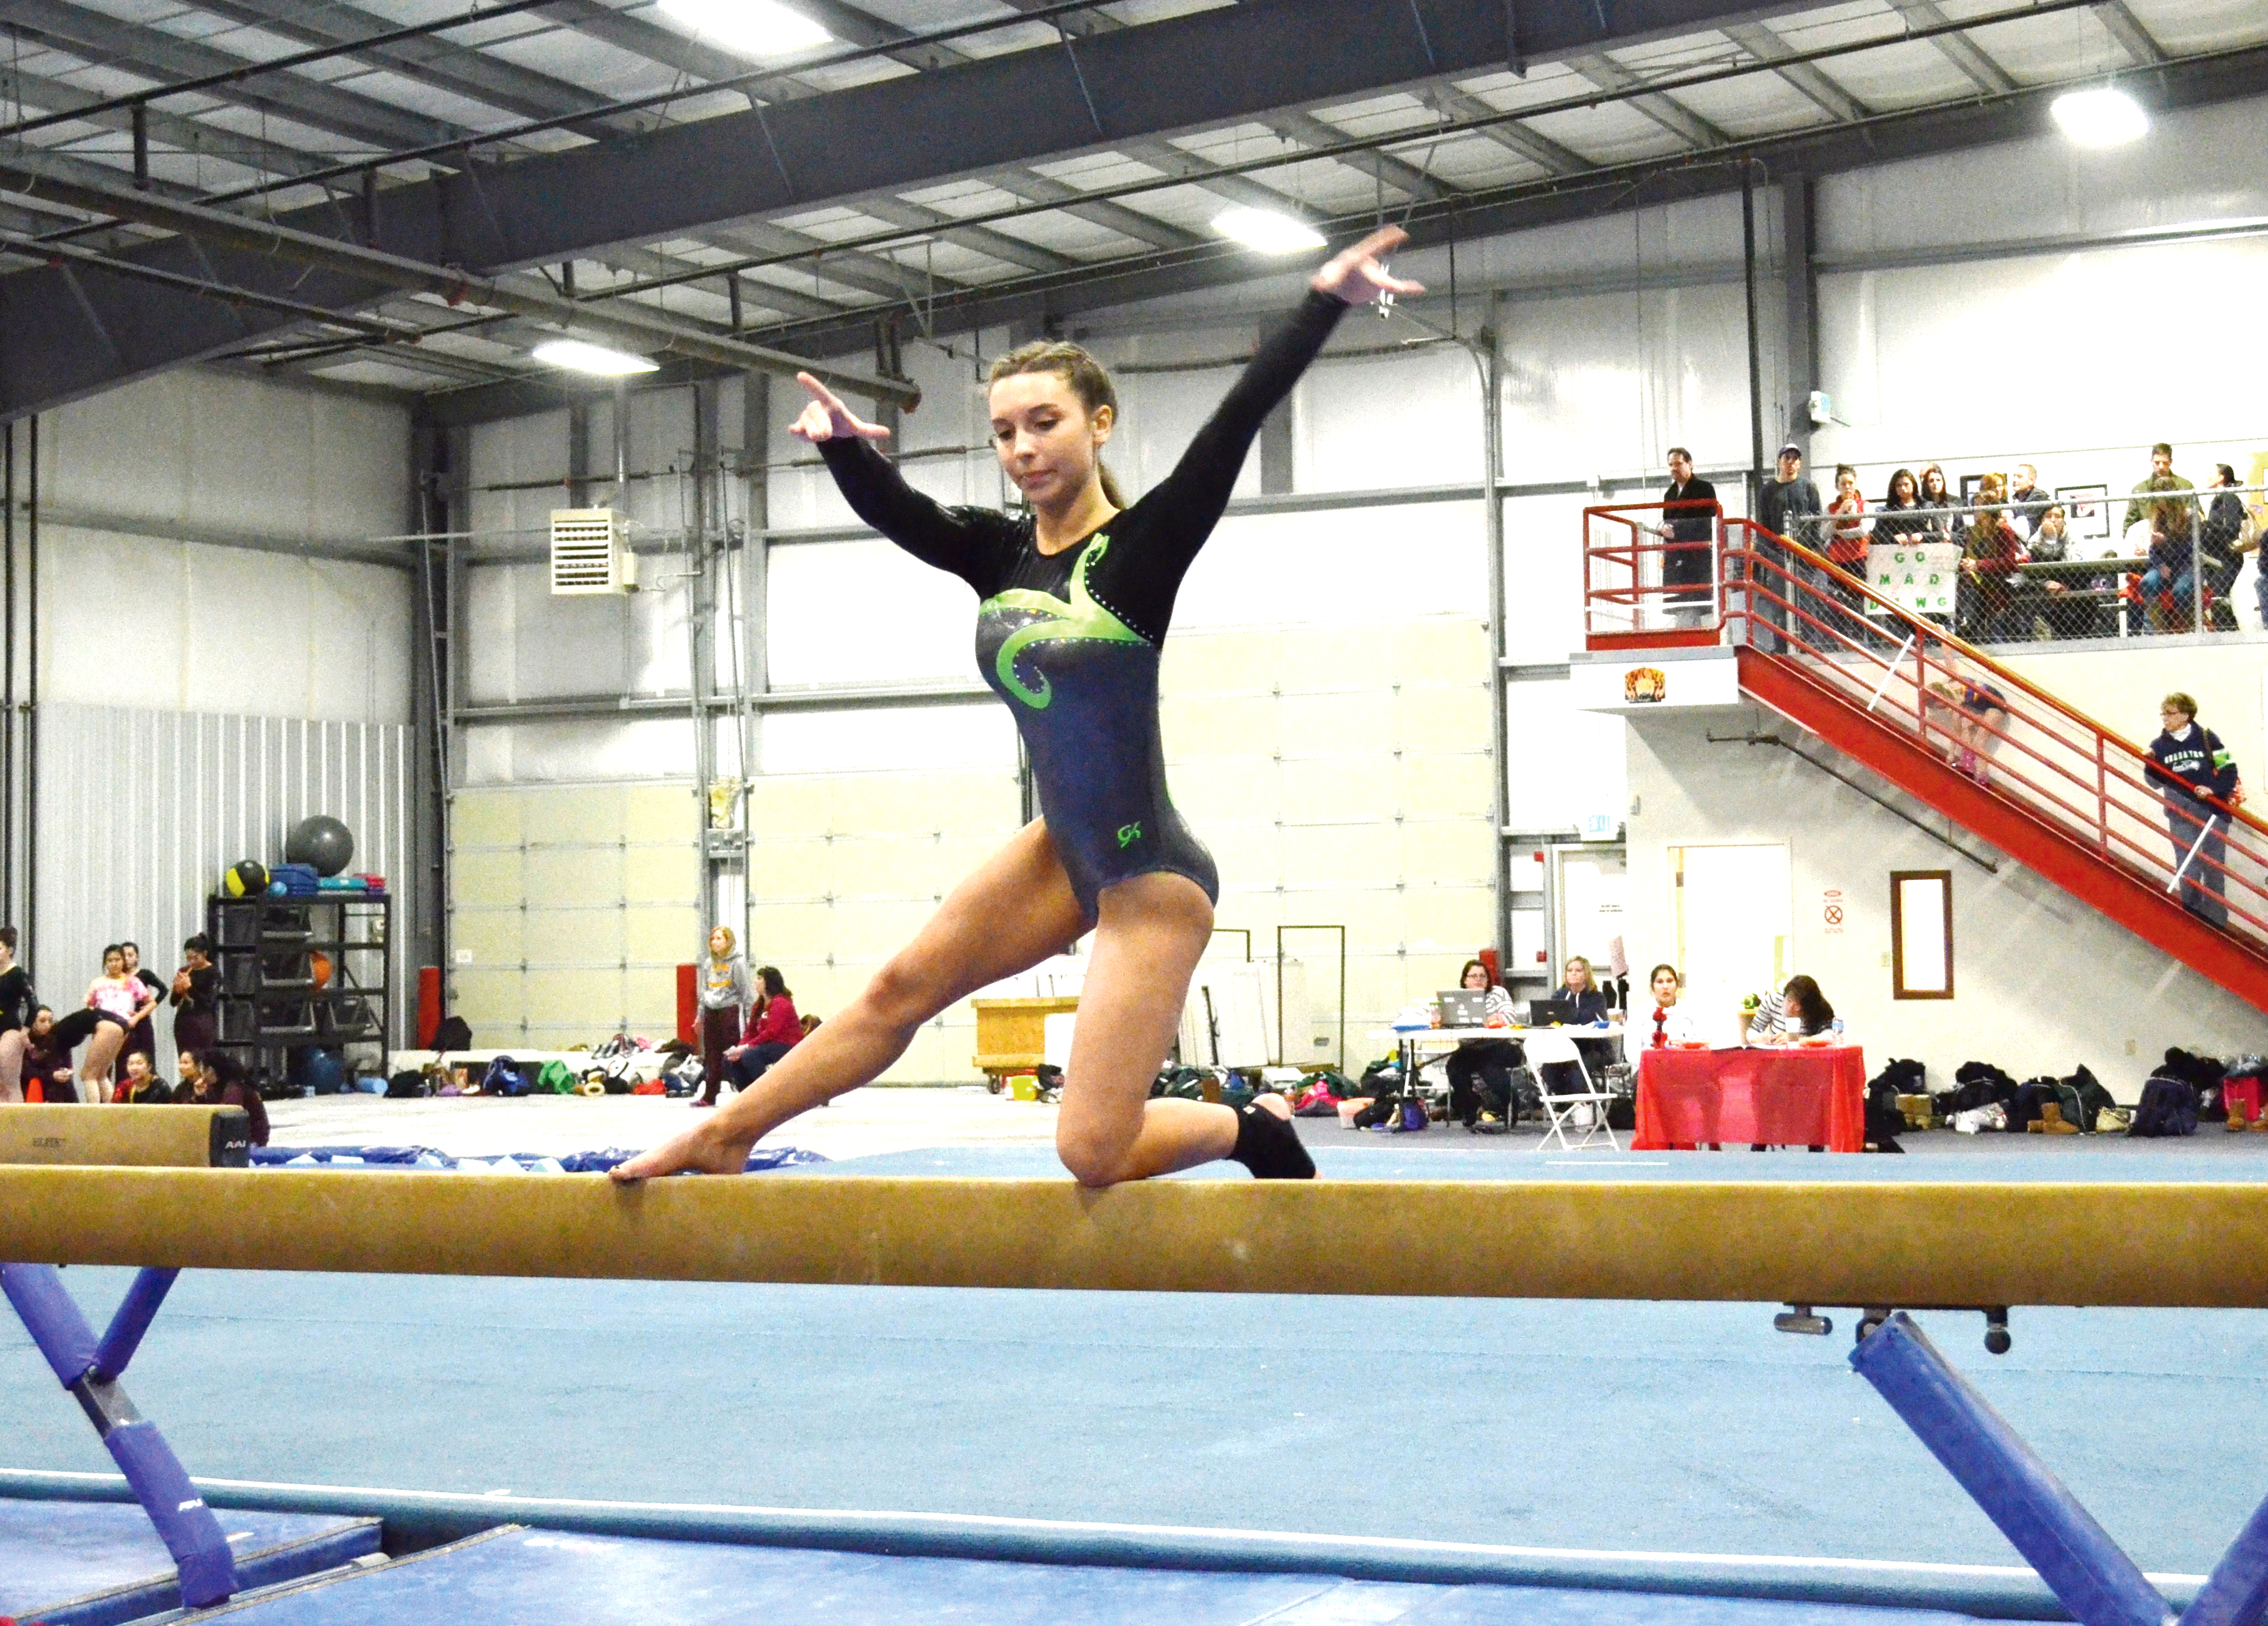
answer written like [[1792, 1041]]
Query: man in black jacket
[[2196, 765], [1689, 515]]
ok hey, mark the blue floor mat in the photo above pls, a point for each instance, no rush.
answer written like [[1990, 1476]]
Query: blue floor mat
[[90, 1564], [536, 1578]]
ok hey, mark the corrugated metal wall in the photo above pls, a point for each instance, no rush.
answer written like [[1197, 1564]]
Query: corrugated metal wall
[[140, 811]]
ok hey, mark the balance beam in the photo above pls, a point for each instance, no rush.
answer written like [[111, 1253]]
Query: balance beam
[[1933, 1245], [127, 1137]]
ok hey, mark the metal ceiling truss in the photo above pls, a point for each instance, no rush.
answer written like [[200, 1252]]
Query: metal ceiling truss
[[1121, 91]]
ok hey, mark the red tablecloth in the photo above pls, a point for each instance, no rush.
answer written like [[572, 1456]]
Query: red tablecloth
[[1787, 1096]]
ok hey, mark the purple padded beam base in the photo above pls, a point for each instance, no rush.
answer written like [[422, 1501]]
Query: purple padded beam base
[[2095, 1579], [159, 1483]]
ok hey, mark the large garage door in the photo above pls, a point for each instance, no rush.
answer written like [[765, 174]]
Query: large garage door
[[570, 907]]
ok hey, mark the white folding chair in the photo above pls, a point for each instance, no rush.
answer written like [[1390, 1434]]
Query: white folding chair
[[1547, 1050]]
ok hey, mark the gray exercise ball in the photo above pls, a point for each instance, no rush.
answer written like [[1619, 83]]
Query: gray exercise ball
[[322, 840]]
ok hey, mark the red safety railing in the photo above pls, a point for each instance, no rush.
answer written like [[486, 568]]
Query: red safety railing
[[2013, 739]]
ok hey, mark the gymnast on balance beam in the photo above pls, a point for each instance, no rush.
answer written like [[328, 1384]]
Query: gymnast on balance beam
[[1075, 594]]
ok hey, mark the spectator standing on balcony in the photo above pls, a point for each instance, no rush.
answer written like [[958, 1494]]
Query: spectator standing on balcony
[[1900, 520], [1847, 528], [2027, 502], [1689, 515], [1790, 505], [1937, 505], [2196, 765], [2221, 553], [2170, 583], [2161, 478], [1990, 553]]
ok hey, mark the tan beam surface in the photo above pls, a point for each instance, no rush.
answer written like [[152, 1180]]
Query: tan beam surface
[[145, 1136], [1836, 1244]]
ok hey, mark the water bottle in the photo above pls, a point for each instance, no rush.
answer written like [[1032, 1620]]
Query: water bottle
[[1835, 1028]]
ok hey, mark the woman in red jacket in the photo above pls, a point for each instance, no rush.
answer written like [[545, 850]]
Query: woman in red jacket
[[773, 1029]]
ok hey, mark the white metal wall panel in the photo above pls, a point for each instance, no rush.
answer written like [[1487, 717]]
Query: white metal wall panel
[[141, 812], [865, 612], [1338, 566], [1411, 418]]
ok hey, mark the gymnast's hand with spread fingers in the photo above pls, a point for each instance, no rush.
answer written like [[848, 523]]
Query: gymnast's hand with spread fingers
[[824, 417], [1357, 274]]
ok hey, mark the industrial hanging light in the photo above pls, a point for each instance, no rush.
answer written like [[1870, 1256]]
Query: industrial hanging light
[[753, 28], [1267, 230], [2105, 116], [576, 355]]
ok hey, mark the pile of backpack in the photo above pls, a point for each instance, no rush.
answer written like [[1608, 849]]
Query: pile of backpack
[[1987, 1100], [2185, 1089]]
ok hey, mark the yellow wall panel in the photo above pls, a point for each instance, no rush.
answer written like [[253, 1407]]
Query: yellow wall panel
[[1328, 724], [1373, 917], [1312, 659], [575, 875], [1250, 855], [487, 999], [661, 933], [1446, 784], [1441, 649], [1347, 788], [873, 929], [577, 814], [491, 937], [787, 867], [650, 1001], [579, 936], [1250, 788], [1459, 917], [789, 806], [1441, 850], [960, 857], [485, 817], [1210, 726], [883, 804], [1444, 719], [661, 812], [1333, 855], [785, 932], [590, 1001], [1205, 662], [485, 877], [660, 874], [899, 867], [967, 804]]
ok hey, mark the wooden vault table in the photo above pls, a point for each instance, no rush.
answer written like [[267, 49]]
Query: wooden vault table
[[1011, 1033]]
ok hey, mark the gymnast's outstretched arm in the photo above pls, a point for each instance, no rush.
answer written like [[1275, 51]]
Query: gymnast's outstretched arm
[[966, 541]]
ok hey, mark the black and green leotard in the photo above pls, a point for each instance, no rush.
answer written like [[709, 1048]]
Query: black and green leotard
[[1071, 639]]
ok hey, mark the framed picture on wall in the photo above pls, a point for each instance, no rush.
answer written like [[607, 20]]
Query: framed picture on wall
[[2086, 510], [1969, 485], [1921, 934]]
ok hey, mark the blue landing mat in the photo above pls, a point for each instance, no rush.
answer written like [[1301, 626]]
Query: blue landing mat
[[519, 1576], [91, 1564]]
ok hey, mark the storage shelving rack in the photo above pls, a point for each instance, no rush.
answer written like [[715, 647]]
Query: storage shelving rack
[[271, 1003]]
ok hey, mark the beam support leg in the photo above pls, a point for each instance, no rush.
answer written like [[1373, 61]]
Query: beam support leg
[[159, 1483], [2095, 1580], [2236, 1593]]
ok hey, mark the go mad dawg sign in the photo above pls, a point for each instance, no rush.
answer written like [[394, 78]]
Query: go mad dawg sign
[[1916, 576]]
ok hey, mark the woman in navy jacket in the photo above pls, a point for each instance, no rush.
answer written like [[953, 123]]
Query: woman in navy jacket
[[2197, 765]]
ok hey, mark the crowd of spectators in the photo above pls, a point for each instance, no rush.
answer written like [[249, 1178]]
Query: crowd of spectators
[[2029, 565]]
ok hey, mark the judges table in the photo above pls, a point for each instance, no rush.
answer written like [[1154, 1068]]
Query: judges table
[[1412, 1044], [1790, 1095]]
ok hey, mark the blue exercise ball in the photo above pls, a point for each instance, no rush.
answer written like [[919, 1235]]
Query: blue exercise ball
[[322, 840]]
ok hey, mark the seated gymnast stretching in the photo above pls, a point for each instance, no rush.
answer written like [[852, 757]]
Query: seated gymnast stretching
[[1076, 594]]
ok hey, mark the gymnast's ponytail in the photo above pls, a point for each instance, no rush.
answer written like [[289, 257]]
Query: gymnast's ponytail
[[1086, 378]]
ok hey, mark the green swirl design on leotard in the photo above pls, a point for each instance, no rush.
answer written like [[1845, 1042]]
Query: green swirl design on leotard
[[1082, 618]]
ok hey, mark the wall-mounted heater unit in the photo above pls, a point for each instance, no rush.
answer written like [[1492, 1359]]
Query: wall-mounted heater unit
[[591, 552]]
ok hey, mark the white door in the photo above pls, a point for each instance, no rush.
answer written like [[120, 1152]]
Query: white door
[[1594, 883], [1733, 909]]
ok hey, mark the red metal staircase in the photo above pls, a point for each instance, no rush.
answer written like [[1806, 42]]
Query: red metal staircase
[[2039, 780]]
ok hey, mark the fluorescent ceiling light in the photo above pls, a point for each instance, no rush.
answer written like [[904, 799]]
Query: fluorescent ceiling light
[[2100, 118], [756, 28], [1267, 230], [576, 356]]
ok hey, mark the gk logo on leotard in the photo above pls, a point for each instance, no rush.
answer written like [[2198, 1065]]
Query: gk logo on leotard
[[1081, 618], [1128, 834]]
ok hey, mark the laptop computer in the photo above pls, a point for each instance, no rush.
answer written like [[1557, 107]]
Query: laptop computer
[[1464, 1007], [1544, 1012]]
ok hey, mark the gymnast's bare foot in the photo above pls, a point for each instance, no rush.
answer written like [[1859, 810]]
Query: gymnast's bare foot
[[704, 1149]]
